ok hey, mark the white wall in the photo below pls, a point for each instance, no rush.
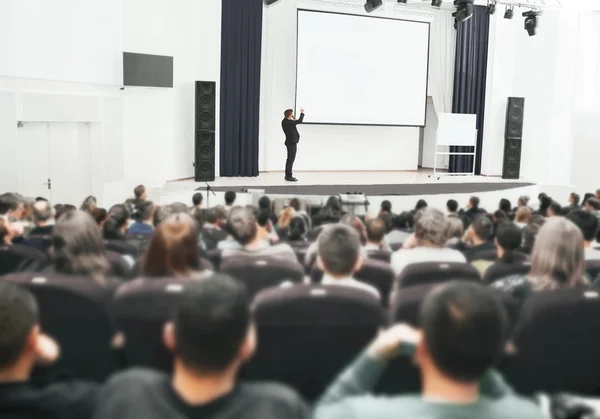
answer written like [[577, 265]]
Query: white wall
[[74, 48], [321, 147]]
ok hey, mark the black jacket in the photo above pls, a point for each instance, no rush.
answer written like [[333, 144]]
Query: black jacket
[[290, 130]]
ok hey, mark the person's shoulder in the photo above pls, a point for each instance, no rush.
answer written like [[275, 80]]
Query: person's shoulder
[[71, 391], [273, 393], [515, 407], [134, 380]]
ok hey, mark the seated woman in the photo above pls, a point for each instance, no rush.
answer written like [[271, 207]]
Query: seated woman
[[114, 230], [297, 232], [510, 260], [557, 261], [173, 250]]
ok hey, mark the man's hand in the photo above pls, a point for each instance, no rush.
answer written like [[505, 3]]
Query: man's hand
[[301, 110], [388, 344]]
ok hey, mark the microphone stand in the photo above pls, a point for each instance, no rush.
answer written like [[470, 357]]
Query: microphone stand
[[208, 191]]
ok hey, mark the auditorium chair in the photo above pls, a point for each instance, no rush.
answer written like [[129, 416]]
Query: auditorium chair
[[373, 272], [313, 234], [21, 258], [140, 309], [121, 247], [259, 273], [436, 272], [307, 334], [509, 270], [74, 311], [382, 255], [119, 266], [592, 269], [557, 343], [205, 265]]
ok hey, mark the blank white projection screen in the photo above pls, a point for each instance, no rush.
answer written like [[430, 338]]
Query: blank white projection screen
[[361, 70]]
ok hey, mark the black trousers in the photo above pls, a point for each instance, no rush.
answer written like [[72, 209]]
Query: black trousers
[[291, 156]]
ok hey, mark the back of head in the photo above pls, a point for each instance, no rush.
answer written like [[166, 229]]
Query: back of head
[[557, 258], [376, 229], [500, 216], [146, 211], [530, 232], [556, 208], [586, 221], [197, 199], [454, 228], [88, 204], [505, 205], [421, 203], [61, 209], [211, 324], [464, 328], [386, 206], [178, 208], [242, 224], [339, 249], [523, 215], [288, 113], [575, 198], [430, 228], [297, 229], [211, 216], [545, 202], [523, 201], [474, 201], [264, 203], [18, 316], [165, 211], [452, 205], [586, 196], [357, 224], [296, 204], [593, 203], [173, 249], [483, 228], [262, 217], [8, 202], [509, 237], [118, 218], [42, 212], [139, 191], [100, 215], [230, 197]]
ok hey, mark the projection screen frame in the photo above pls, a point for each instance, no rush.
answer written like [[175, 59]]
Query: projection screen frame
[[298, 10]]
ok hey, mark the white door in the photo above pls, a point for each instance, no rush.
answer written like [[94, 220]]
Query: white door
[[69, 150], [33, 160]]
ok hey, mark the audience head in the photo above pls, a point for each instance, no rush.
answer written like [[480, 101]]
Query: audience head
[[557, 259], [242, 225], [386, 206], [357, 224], [545, 202], [140, 193], [400, 221], [211, 216], [500, 216], [230, 198], [42, 213], [473, 203], [296, 204], [505, 206], [78, 246], [523, 215], [587, 223], [574, 199], [452, 206], [454, 229], [508, 240], [523, 201], [297, 230], [530, 232], [481, 229], [89, 204], [99, 215], [173, 248], [592, 204], [117, 222], [386, 217], [264, 203], [464, 330], [421, 203], [376, 229], [60, 209], [332, 208], [554, 209], [263, 217], [597, 194], [212, 332], [339, 250], [197, 199], [146, 211], [198, 215], [586, 196], [430, 228], [12, 205]]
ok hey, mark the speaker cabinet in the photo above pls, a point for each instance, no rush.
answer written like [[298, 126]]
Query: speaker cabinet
[[204, 146], [515, 112], [204, 139]]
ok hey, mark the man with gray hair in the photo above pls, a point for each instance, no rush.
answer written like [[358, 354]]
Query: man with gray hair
[[427, 243], [339, 256], [243, 227], [43, 219]]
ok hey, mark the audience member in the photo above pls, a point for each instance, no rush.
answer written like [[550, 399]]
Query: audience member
[[285, 216], [211, 232], [297, 205], [452, 207], [479, 235], [100, 215], [544, 203], [530, 232], [140, 194], [330, 213], [586, 196], [557, 261], [19, 256], [339, 257], [508, 241], [173, 250], [454, 231], [473, 211], [522, 217], [117, 223], [23, 346], [464, 331], [593, 205], [145, 224], [297, 232], [230, 197], [386, 217], [421, 204], [386, 206], [523, 201], [61, 209], [554, 209], [588, 224], [505, 206], [500, 216], [266, 231], [573, 201], [197, 200], [211, 337], [375, 232], [400, 227], [264, 203], [42, 218], [11, 206], [427, 243], [89, 204], [244, 229]]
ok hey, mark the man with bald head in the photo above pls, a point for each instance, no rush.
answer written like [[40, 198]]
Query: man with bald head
[[43, 219]]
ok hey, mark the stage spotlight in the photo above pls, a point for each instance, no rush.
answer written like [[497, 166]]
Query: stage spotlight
[[464, 10], [492, 8], [371, 5], [436, 3], [531, 22], [509, 13]]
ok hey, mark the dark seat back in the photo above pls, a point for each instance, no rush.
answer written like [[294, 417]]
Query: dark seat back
[[382, 255], [259, 273], [308, 333], [121, 247], [592, 269], [21, 258], [436, 272], [507, 270]]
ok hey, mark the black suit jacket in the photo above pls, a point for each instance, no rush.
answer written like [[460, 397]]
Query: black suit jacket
[[290, 130]]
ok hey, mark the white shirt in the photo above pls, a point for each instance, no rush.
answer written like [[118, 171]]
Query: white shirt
[[350, 282], [404, 257], [591, 254]]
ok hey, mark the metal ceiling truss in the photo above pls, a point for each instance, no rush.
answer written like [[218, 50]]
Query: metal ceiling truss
[[390, 8]]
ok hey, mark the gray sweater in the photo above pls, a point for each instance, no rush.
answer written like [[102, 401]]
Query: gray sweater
[[349, 397]]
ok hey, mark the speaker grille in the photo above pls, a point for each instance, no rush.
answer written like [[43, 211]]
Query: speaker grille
[[514, 117], [205, 105], [204, 156], [512, 158]]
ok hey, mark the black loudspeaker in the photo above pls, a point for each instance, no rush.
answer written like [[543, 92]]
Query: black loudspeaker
[[204, 139], [511, 167], [204, 146]]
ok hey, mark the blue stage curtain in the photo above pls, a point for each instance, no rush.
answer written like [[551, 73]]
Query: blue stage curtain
[[470, 73], [241, 36]]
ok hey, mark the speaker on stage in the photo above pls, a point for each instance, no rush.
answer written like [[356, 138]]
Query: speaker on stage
[[515, 112], [204, 139], [204, 166]]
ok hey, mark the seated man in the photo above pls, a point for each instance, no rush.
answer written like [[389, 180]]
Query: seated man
[[197, 200], [479, 235], [427, 243], [22, 345], [243, 227], [145, 225], [339, 257], [588, 224], [212, 234], [464, 328], [230, 197], [400, 224], [376, 235], [43, 219], [211, 337]]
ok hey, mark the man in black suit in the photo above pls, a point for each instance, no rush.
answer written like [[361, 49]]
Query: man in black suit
[[291, 140]]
